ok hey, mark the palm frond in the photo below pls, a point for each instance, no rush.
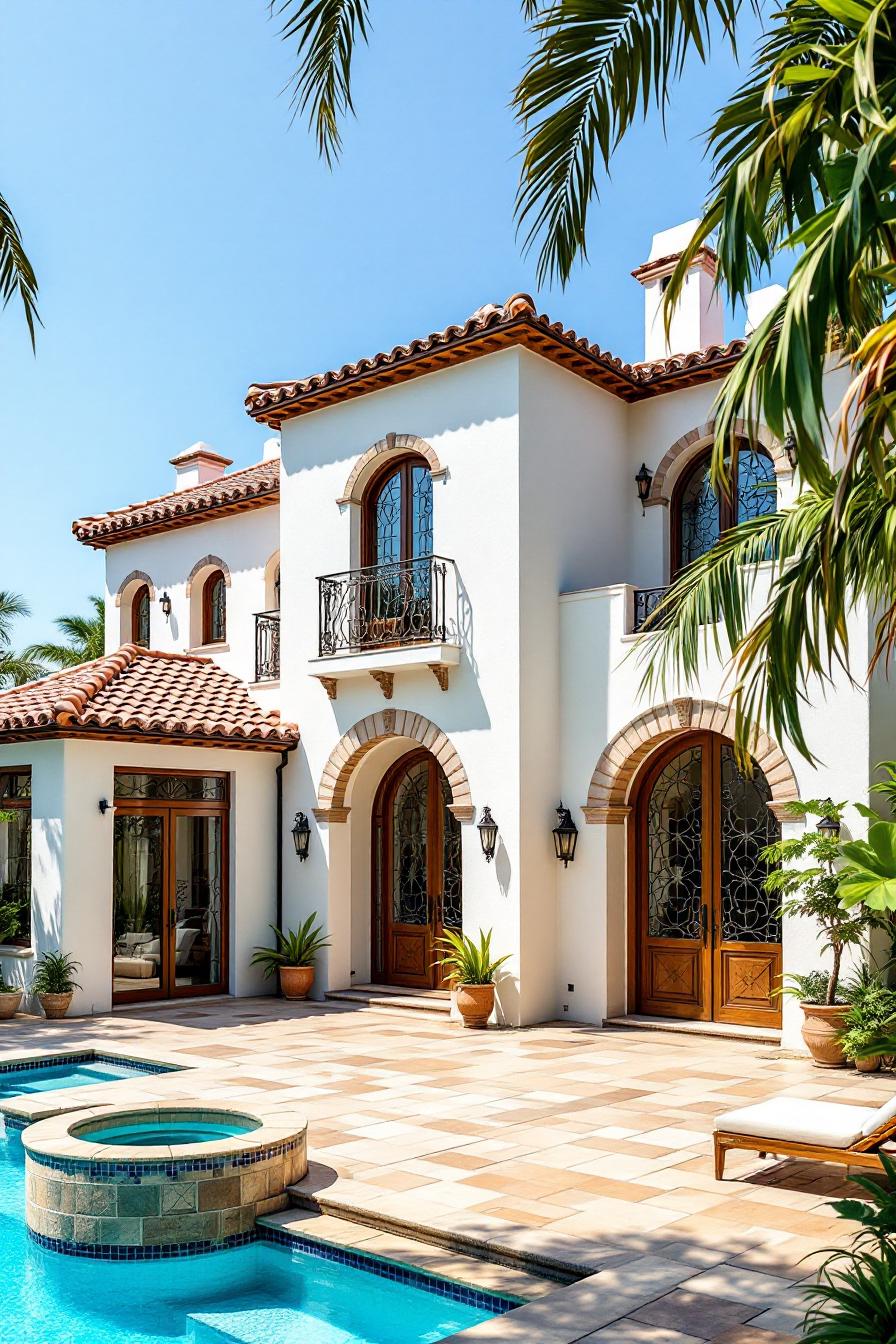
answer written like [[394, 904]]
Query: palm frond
[[597, 66], [16, 272], [85, 636], [12, 608], [325, 34], [17, 669]]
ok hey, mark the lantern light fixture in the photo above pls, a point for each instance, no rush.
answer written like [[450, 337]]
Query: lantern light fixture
[[165, 603], [488, 833], [643, 481], [789, 446], [829, 827], [301, 836], [565, 833], [105, 806]]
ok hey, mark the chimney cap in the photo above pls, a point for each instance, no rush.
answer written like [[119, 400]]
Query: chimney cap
[[200, 452], [666, 248]]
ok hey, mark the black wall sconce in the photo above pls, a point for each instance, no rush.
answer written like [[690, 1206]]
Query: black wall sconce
[[565, 834], [789, 447], [829, 827], [643, 481], [488, 833], [301, 836], [105, 806], [165, 603]]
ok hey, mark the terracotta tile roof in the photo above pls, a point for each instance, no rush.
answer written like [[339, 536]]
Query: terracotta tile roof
[[253, 487], [138, 693], [493, 327]]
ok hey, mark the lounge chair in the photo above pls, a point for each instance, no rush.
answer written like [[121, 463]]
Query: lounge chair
[[822, 1131]]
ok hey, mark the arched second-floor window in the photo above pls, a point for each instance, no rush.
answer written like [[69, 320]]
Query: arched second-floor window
[[397, 516], [214, 608], [700, 515], [140, 617]]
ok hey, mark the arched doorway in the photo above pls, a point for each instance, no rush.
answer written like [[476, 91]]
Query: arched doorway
[[416, 884], [707, 934]]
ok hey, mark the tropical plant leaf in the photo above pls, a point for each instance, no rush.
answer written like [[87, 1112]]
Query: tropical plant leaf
[[325, 33], [17, 276]]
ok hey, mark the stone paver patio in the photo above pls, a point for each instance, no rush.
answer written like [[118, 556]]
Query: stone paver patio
[[558, 1148]]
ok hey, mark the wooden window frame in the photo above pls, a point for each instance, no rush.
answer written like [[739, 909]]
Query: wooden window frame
[[208, 634], [727, 504], [404, 466], [141, 593], [10, 804]]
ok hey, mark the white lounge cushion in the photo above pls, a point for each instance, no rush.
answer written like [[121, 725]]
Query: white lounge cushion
[[880, 1117], [826, 1123]]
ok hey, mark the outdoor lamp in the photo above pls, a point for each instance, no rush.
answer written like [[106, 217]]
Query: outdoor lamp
[[827, 826], [105, 806], [301, 836], [789, 447], [565, 833], [488, 833], [643, 481], [165, 602]]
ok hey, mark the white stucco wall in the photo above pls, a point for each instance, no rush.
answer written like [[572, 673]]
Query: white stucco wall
[[72, 854]]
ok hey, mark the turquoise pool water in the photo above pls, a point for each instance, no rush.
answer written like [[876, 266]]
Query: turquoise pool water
[[150, 1134], [256, 1294], [49, 1076]]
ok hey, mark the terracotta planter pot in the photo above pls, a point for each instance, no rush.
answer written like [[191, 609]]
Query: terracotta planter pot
[[822, 1026], [296, 981], [475, 1004], [56, 1005], [9, 1004], [869, 1065]]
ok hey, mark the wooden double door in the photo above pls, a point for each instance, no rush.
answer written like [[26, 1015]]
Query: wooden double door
[[416, 878], [707, 934]]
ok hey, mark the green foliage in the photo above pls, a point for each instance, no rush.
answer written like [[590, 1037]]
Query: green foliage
[[870, 1021], [55, 974], [17, 276], [467, 962], [809, 887], [324, 33], [10, 919], [299, 948], [812, 987], [6, 987], [85, 639], [15, 669], [887, 786], [869, 874], [854, 1300]]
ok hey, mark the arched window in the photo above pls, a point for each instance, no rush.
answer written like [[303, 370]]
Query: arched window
[[214, 608], [700, 516], [140, 617], [397, 516]]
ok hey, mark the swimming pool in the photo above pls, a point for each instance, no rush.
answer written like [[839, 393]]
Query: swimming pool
[[152, 1134], [260, 1293], [24, 1079]]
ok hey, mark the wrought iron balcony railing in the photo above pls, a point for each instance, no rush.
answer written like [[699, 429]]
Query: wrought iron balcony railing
[[646, 602], [382, 606], [267, 645]]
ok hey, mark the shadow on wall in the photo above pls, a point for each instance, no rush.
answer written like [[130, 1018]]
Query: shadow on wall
[[503, 870]]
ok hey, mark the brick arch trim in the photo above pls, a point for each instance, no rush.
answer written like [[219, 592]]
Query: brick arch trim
[[379, 727], [608, 793], [135, 576], [688, 444], [392, 443], [208, 562]]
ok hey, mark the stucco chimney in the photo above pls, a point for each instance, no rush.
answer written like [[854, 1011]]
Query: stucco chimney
[[198, 465], [271, 449], [698, 319], [760, 303]]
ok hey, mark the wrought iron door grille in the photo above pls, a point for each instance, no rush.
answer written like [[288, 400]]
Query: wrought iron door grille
[[403, 602], [646, 602], [267, 645]]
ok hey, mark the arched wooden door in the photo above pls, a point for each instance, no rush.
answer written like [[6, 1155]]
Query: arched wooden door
[[416, 886], [708, 935]]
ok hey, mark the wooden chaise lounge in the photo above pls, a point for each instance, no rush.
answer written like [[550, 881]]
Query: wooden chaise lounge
[[822, 1131]]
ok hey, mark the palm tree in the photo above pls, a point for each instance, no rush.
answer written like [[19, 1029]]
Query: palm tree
[[16, 272], [801, 160], [14, 668], [85, 636]]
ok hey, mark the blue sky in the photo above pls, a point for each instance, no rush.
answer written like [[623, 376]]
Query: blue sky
[[188, 241]]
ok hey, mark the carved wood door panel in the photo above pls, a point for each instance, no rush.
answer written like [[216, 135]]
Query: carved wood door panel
[[708, 936]]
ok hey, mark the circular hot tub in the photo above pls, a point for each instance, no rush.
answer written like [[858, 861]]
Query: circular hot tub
[[142, 1183]]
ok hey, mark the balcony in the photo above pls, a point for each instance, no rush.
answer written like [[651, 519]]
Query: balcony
[[646, 601], [267, 645], [386, 618]]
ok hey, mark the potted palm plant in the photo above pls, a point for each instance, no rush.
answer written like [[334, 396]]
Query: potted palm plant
[[810, 888], [54, 982], [10, 998], [471, 969], [293, 957]]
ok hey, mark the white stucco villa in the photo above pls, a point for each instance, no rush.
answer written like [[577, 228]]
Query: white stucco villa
[[416, 609]]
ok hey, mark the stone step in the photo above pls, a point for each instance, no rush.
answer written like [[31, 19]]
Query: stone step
[[262, 1325], [390, 997]]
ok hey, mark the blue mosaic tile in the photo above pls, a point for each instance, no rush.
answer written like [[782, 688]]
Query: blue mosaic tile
[[86, 1057], [112, 1171], [390, 1269], [13, 1121], [91, 1252]]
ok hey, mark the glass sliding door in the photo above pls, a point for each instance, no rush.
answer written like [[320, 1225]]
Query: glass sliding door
[[170, 886]]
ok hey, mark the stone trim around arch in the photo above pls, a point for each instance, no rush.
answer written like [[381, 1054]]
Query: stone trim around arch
[[702, 435], [135, 576], [376, 728], [619, 762], [208, 562], [392, 443]]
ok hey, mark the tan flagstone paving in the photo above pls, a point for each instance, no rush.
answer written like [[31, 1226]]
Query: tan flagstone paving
[[586, 1147]]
